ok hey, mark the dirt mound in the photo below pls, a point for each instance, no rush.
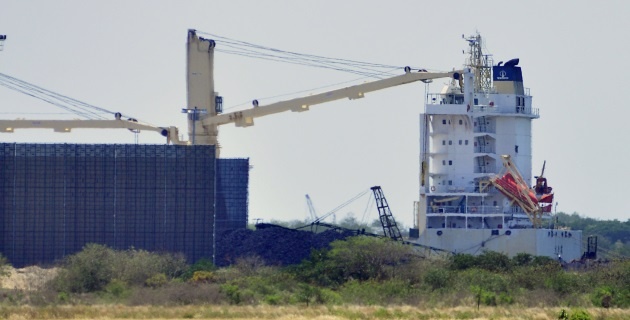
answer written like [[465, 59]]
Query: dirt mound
[[275, 245], [29, 278]]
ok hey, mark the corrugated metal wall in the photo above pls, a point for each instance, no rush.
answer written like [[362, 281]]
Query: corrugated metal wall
[[55, 198], [232, 196]]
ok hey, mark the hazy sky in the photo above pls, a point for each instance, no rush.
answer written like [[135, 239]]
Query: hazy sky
[[129, 56]]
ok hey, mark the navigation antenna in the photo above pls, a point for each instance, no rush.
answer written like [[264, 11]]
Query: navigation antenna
[[480, 63]]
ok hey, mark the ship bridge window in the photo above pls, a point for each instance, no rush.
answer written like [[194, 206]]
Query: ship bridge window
[[461, 122], [450, 162], [443, 162], [450, 142], [443, 121], [460, 142], [443, 142], [466, 142]]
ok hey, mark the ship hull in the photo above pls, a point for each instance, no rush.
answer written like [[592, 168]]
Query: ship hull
[[564, 244]]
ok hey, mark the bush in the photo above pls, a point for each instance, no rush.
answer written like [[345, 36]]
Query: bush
[[437, 278], [96, 265], [201, 265], [494, 261], [462, 261], [156, 281], [564, 282], [177, 293], [136, 266], [203, 276], [580, 315], [522, 259], [377, 293], [232, 292], [307, 294], [366, 258], [117, 289], [86, 271]]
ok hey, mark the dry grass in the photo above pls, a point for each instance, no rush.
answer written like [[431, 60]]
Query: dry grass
[[29, 278], [292, 312]]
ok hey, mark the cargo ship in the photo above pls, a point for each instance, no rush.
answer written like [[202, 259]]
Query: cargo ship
[[476, 187]]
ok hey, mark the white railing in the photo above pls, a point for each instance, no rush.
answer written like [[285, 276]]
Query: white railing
[[437, 98], [505, 110], [458, 189], [484, 149], [485, 129], [467, 209], [486, 169]]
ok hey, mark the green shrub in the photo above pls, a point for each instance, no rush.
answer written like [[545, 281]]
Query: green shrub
[[462, 261], [564, 282], [117, 289], [580, 315], [307, 293], [203, 276], [136, 266], [494, 261], [273, 299], [96, 265], [63, 297], [86, 271], [522, 259], [484, 279], [156, 281], [329, 297], [176, 293], [372, 292], [437, 278], [232, 292], [202, 264]]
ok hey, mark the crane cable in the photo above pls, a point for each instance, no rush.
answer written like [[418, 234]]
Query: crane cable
[[74, 106], [339, 207], [252, 50]]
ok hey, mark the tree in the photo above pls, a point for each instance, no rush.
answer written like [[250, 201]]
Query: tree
[[364, 258]]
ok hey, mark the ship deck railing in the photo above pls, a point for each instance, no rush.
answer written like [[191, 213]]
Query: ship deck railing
[[455, 105], [473, 209], [460, 189], [466, 209], [506, 110]]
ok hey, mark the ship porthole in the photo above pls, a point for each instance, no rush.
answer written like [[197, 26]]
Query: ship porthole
[[439, 233], [509, 232]]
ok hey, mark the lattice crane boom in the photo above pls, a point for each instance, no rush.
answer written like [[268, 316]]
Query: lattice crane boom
[[390, 228]]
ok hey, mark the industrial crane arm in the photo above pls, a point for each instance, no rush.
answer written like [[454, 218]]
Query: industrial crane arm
[[245, 118], [10, 126]]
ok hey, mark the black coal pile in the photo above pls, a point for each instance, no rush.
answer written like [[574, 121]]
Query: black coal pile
[[276, 245]]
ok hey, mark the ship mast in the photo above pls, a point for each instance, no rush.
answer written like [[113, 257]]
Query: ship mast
[[480, 63]]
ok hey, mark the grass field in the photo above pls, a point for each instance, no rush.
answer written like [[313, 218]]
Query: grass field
[[296, 312]]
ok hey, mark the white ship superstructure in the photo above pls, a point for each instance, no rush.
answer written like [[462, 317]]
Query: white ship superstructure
[[466, 131]]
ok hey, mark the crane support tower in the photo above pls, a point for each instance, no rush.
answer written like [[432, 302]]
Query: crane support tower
[[390, 229]]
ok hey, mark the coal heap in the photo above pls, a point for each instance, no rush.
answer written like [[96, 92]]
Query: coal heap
[[276, 245]]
